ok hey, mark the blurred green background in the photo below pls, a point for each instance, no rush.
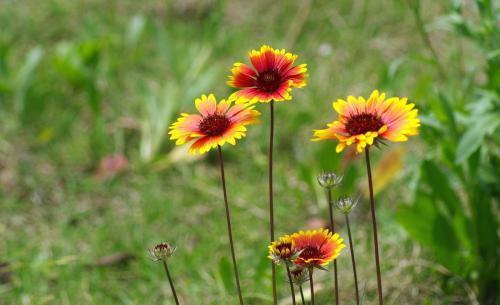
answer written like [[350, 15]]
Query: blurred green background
[[89, 179]]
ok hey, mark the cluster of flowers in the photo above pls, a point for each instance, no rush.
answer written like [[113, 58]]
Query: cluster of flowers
[[303, 251], [361, 122]]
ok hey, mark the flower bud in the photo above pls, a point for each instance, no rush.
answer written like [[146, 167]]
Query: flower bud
[[346, 204], [329, 179], [162, 251], [300, 276]]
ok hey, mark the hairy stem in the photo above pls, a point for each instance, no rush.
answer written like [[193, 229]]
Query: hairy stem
[[170, 282], [228, 220], [374, 224]]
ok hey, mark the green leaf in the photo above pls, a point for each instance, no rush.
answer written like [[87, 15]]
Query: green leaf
[[438, 181], [326, 157], [135, 29], [473, 137], [69, 64], [444, 235], [448, 110], [4, 51], [261, 268], [416, 220], [25, 75], [159, 106], [226, 274], [486, 224], [426, 224]]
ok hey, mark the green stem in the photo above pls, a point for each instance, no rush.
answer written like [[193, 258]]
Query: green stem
[[332, 227], [271, 204], [351, 246], [302, 295], [170, 282], [311, 284], [291, 284], [374, 224], [229, 230]]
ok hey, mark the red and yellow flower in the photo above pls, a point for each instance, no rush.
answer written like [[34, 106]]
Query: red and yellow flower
[[317, 248], [216, 124], [271, 77], [282, 250], [364, 122]]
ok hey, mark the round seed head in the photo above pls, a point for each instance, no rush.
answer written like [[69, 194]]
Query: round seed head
[[329, 179], [346, 204], [162, 251]]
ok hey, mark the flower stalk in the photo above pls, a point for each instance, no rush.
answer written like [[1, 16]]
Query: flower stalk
[[299, 277], [170, 281], [345, 206], [291, 284], [332, 227], [162, 252], [271, 203], [311, 284], [374, 224], [353, 259], [329, 181], [302, 295], [229, 230]]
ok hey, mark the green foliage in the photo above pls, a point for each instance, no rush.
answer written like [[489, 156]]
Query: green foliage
[[14, 83], [189, 75], [455, 206]]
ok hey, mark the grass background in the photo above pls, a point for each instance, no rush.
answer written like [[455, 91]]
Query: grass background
[[82, 80]]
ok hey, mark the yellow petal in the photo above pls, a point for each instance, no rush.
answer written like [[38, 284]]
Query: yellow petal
[[339, 106], [340, 147]]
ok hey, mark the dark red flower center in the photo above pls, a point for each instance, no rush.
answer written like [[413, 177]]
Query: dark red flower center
[[269, 80], [311, 253], [214, 125], [362, 123], [281, 248], [161, 246]]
